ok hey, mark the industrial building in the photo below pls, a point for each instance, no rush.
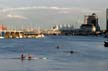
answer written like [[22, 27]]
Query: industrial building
[[91, 23]]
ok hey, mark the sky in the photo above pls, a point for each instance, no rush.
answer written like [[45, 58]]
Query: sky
[[47, 13]]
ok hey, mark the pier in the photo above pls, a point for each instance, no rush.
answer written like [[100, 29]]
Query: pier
[[12, 34], [19, 34]]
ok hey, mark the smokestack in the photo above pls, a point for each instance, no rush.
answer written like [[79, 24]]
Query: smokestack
[[85, 19]]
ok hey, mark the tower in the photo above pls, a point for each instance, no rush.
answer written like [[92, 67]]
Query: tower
[[106, 19], [93, 20]]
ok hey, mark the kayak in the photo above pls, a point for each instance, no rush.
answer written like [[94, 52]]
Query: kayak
[[33, 58]]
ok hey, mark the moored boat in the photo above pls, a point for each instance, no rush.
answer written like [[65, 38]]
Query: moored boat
[[40, 36]]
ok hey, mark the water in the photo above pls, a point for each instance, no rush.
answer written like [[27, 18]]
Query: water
[[91, 55]]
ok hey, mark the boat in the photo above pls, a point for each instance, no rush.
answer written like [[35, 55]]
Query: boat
[[33, 58], [40, 36], [106, 43], [27, 58]]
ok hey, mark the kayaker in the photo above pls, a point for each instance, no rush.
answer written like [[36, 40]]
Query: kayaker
[[29, 57], [22, 56]]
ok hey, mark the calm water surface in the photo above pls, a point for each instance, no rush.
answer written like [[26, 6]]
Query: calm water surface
[[90, 54]]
